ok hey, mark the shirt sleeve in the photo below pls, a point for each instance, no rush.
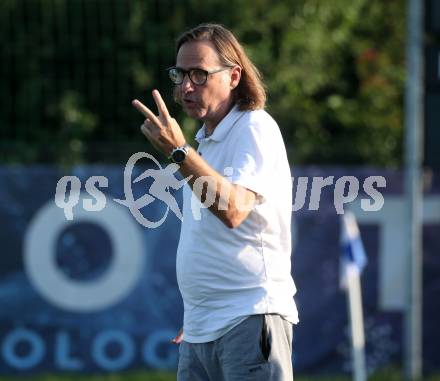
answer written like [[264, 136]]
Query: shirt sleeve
[[254, 159]]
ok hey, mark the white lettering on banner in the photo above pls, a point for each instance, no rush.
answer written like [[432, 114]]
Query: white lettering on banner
[[123, 273], [318, 183], [74, 194], [93, 191], [150, 353], [164, 180], [34, 355], [224, 190], [375, 195], [392, 252], [97, 349], [63, 358], [196, 195], [122, 359], [340, 198], [301, 191], [72, 199]]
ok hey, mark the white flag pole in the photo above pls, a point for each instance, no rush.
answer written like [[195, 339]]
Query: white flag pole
[[353, 261], [354, 299]]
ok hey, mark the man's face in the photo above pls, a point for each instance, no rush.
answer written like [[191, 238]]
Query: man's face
[[209, 102]]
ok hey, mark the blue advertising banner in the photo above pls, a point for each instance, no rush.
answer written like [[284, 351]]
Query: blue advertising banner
[[87, 284]]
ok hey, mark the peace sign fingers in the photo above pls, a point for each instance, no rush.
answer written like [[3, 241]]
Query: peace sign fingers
[[164, 116], [161, 107], [161, 130], [145, 111]]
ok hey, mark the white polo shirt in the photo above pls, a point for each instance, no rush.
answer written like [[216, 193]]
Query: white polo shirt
[[224, 274]]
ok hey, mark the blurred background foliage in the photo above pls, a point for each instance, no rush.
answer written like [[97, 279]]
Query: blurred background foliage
[[70, 68]]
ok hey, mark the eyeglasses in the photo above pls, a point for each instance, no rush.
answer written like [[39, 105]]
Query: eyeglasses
[[196, 76]]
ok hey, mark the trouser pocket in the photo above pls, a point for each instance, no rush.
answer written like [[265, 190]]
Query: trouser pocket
[[265, 339]]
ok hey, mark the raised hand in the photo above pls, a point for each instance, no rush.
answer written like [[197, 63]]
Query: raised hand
[[162, 131]]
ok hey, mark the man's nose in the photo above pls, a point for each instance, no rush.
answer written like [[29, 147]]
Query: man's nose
[[187, 85]]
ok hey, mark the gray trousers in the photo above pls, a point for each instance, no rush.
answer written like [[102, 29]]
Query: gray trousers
[[259, 348]]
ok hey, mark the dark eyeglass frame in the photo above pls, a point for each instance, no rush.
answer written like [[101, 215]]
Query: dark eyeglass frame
[[191, 72]]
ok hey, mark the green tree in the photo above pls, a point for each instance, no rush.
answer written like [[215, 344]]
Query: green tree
[[335, 73], [70, 68]]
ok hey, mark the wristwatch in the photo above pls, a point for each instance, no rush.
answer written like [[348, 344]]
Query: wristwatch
[[178, 155]]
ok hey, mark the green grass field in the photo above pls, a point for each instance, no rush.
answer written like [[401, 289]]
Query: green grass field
[[390, 375]]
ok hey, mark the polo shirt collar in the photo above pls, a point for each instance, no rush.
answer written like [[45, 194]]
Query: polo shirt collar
[[222, 129]]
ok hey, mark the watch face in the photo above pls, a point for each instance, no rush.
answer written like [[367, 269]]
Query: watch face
[[179, 156]]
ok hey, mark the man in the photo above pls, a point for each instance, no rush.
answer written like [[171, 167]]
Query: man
[[233, 260]]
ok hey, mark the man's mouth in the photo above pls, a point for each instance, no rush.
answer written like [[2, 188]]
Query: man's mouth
[[189, 102]]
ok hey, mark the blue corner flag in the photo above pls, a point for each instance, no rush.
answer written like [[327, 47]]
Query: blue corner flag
[[353, 257]]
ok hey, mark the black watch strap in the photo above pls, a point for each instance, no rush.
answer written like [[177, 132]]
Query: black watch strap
[[179, 154]]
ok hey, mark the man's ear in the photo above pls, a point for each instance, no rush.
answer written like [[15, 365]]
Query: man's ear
[[235, 77]]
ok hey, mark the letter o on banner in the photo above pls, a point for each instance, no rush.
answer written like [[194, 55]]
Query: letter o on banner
[[125, 269], [150, 351], [125, 357], [36, 352]]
